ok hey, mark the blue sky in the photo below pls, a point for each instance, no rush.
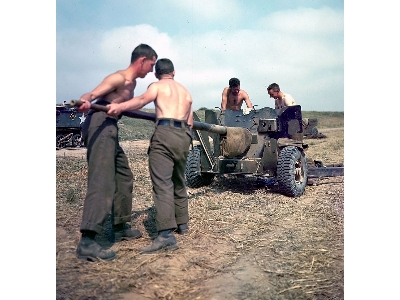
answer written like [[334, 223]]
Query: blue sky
[[297, 44]]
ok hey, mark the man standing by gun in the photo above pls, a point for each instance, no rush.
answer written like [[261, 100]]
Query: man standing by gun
[[110, 179], [168, 151], [281, 99], [233, 96]]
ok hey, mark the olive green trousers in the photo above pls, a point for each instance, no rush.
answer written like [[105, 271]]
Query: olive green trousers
[[109, 179], [168, 151]]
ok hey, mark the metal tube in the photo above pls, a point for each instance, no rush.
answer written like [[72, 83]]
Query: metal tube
[[138, 114]]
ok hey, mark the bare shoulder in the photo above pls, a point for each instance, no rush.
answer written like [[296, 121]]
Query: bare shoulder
[[152, 84], [119, 73], [116, 76], [289, 97], [180, 85], [244, 93]]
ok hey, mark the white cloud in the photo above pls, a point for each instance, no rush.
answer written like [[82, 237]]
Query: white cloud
[[304, 65], [306, 21], [117, 44], [260, 57], [209, 10]]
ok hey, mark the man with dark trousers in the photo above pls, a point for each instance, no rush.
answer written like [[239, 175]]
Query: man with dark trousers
[[168, 150], [110, 179]]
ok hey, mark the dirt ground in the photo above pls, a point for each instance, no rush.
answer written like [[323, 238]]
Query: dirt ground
[[246, 240]]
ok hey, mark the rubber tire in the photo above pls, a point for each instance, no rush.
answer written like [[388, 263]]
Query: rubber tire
[[193, 176], [292, 171]]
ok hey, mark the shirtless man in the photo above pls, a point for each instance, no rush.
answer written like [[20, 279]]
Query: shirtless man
[[168, 151], [110, 179], [281, 99], [233, 96]]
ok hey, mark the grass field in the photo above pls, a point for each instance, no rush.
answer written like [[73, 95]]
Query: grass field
[[246, 240]]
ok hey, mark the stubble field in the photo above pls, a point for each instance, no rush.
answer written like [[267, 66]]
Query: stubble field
[[246, 241]]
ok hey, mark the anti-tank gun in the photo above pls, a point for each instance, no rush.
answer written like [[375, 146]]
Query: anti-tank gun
[[265, 142]]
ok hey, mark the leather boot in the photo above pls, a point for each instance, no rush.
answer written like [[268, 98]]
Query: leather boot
[[164, 241], [125, 232], [183, 228], [89, 249]]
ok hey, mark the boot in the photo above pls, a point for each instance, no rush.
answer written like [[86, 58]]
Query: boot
[[183, 228], [164, 241], [125, 232], [89, 249]]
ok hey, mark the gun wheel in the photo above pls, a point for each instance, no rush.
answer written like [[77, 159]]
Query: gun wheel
[[193, 175], [292, 171]]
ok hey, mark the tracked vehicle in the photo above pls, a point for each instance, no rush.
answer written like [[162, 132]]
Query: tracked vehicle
[[68, 127]]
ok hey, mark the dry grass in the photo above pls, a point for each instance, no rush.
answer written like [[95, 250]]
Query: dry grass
[[246, 241]]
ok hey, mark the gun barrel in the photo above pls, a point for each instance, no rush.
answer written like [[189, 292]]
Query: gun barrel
[[138, 114], [209, 127]]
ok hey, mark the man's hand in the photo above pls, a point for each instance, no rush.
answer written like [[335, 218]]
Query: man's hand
[[247, 110], [84, 107], [114, 109]]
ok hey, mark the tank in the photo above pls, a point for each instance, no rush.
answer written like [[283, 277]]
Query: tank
[[69, 123]]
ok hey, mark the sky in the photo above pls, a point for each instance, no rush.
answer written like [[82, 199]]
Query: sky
[[297, 44]]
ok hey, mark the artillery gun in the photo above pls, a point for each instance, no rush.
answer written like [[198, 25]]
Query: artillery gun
[[264, 142]]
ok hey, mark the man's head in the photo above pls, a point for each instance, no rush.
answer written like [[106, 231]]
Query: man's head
[[146, 57], [273, 90], [234, 85], [164, 66]]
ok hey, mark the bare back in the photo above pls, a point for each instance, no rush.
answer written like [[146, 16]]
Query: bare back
[[173, 100]]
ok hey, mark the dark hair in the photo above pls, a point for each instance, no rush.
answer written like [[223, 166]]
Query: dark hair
[[274, 86], [143, 50], [234, 82], [164, 66]]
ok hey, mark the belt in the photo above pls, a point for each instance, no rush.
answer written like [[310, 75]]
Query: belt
[[172, 123]]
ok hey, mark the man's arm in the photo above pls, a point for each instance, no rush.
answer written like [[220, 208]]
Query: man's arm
[[224, 100], [109, 84], [246, 98], [135, 103]]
